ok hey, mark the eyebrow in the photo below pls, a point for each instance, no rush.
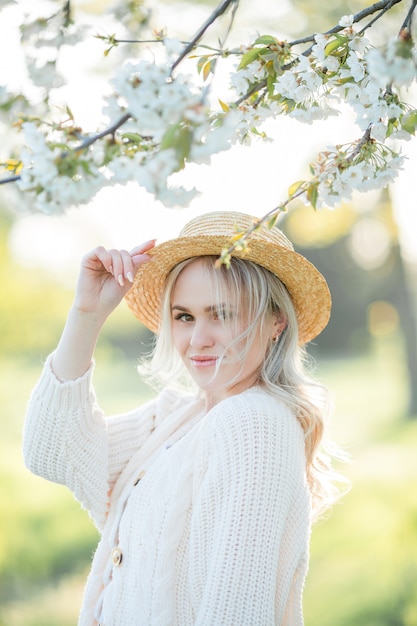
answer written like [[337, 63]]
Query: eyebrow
[[207, 309]]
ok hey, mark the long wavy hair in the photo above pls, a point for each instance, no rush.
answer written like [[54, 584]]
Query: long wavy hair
[[286, 368]]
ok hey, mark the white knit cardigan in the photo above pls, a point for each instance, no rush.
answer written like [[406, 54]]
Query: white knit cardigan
[[204, 519]]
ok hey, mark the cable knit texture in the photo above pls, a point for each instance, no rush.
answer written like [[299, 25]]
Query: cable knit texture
[[209, 513]]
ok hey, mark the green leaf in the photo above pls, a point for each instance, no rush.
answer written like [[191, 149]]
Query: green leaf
[[132, 137], [208, 68], [409, 122], [225, 107], [292, 190], [266, 40], [69, 112], [333, 45], [178, 137], [272, 221], [249, 57], [168, 139], [392, 126], [183, 145], [201, 63], [85, 165], [312, 195]]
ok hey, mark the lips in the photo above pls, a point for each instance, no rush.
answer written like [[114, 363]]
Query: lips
[[203, 361]]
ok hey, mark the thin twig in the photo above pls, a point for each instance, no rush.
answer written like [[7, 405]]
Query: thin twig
[[366, 138], [222, 8], [67, 12], [377, 17], [10, 179], [254, 89], [265, 218], [406, 25], [88, 141]]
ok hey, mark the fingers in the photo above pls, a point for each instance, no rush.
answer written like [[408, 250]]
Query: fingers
[[139, 253], [122, 266], [143, 247], [121, 263]]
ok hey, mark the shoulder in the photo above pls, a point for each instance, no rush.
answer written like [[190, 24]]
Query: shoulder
[[255, 419], [253, 406], [253, 438]]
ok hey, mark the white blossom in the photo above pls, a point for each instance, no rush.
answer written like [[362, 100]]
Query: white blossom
[[353, 176], [153, 98], [214, 139], [153, 174], [173, 46], [378, 131], [393, 63], [45, 75], [346, 21], [241, 80], [356, 66], [176, 196]]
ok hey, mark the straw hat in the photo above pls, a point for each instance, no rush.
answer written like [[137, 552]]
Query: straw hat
[[208, 234]]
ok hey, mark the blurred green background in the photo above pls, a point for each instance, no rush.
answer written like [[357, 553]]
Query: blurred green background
[[363, 567]]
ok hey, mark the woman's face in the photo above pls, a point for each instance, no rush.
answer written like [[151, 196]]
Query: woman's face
[[202, 331]]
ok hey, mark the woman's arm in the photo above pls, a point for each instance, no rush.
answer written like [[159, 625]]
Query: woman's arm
[[66, 439]]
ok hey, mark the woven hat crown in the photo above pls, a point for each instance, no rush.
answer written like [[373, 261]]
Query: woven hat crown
[[218, 224]]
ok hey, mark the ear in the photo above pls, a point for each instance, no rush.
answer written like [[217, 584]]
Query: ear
[[279, 323]]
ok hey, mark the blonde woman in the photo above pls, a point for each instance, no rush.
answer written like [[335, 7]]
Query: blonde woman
[[204, 496]]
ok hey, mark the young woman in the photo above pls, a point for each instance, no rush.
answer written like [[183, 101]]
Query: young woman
[[204, 497]]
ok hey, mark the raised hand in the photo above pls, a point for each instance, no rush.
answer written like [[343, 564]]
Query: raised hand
[[105, 277]]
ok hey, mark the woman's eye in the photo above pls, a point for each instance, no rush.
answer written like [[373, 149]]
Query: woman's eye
[[183, 317]]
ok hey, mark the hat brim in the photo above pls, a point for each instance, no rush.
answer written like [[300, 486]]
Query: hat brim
[[306, 286]]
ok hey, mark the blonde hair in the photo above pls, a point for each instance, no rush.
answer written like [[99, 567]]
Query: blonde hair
[[284, 371]]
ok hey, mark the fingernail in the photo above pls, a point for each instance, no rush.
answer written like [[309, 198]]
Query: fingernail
[[129, 277], [143, 246], [120, 280]]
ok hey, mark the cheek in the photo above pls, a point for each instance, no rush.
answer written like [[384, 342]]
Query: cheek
[[180, 336]]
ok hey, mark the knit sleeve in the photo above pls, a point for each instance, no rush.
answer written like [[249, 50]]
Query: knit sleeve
[[67, 440], [249, 526]]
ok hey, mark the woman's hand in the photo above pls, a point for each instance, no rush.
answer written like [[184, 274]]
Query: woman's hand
[[106, 276]]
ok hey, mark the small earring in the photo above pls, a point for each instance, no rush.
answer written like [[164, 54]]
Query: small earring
[[276, 337]]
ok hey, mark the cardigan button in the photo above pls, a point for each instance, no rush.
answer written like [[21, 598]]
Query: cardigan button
[[116, 556], [139, 478]]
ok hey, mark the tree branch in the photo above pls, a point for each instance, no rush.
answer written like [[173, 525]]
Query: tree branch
[[377, 17], [88, 141], [222, 8], [382, 5]]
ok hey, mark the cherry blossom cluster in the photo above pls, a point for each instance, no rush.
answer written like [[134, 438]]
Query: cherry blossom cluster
[[157, 119], [337, 71]]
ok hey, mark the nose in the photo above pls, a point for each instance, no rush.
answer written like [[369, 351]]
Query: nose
[[201, 337]]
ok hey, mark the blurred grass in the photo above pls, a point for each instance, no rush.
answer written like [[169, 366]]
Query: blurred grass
[[363, 568]]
